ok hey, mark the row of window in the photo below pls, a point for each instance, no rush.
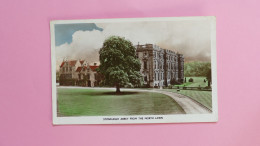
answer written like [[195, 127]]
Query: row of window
[[66, 69], [169, 57], [156, 54], [82, 76], [157, 65], [156, 76]]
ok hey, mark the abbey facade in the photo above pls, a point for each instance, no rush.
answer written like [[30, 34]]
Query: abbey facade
[[160, 67]]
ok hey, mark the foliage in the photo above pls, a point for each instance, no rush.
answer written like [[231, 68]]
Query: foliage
[[67, 82], [81, 82], [191, 80], [174, 82], [196, 69], [119, 64], [170, 86]]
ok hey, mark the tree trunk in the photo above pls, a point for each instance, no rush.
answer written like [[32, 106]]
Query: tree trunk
[[209, 83], [117, 88]]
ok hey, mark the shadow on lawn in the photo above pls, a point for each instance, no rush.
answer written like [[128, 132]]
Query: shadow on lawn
[[104, 93], [116, 94]]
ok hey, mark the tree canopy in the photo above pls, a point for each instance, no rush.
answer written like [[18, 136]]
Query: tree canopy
[[119, 64], [196, 69]]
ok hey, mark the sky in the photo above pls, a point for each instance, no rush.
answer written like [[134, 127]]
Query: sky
[[83, 40]]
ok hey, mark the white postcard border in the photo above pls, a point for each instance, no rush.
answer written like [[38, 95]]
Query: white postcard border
[[178, 118]]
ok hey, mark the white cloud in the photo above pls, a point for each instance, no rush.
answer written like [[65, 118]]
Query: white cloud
[[192, 38]]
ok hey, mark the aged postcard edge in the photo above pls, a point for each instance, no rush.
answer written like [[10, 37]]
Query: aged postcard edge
[[213, 117]]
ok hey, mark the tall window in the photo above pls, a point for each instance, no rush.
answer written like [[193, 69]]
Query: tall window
[[145, 65], [145, 78]]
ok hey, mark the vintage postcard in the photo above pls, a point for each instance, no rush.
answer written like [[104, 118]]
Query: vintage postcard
[[134, 70]]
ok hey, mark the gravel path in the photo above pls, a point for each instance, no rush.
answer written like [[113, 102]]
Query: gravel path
[[188, 105]]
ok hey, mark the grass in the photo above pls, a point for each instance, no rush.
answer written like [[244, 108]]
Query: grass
[[203, 97], [96, 102], [197, 81]]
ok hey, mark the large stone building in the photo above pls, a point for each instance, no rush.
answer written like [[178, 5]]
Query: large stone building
[[78, 72], [160, 67]]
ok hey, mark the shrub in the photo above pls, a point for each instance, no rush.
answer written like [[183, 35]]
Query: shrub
[[67, 82], [191, 80], [129, 86], [174, 82], [81, 83], [170, 86], [145, 86]]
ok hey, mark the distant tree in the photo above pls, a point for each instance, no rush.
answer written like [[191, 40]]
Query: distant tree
[[119, 64], [196, 69], [209, 77]]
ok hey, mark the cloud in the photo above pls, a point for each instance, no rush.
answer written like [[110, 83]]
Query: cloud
[[64, 32], [192, 38]]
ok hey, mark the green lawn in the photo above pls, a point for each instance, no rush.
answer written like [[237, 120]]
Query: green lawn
[[197, 81], [96, 102], [203, 97]]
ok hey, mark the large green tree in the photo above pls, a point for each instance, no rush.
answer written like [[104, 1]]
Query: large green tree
[[196, 69], [119, 64]]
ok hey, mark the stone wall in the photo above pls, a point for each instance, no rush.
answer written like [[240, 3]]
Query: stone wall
[[160, 66]]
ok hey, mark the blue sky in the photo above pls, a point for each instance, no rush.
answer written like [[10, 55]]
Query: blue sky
[[64, 32]]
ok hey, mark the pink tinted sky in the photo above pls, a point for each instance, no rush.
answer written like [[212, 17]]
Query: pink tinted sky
[[25, 75]]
